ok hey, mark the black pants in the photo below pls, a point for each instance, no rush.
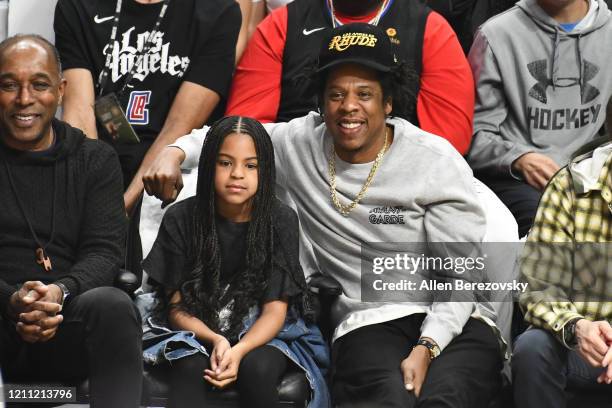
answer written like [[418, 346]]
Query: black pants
[[520, 198], [259, 373], [100, 338], [367, 367]]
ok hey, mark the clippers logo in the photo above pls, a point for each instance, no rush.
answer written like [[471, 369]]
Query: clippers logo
[[538, 70], [137, 112], [341, 43]]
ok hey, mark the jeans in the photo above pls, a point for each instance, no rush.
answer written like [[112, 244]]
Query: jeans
[[542, 368]]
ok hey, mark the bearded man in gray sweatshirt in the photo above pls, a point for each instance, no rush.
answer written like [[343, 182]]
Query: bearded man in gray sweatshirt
[[543, 78], [356, 175]]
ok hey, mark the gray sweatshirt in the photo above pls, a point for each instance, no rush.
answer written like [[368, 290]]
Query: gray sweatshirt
[[538, 88], [422, 177]]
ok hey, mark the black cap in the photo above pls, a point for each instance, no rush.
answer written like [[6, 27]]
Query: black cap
[[358, 43]]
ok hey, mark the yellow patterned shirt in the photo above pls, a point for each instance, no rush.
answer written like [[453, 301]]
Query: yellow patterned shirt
[[567, 260]]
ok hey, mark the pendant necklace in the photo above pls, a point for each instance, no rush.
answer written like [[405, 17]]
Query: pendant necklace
[[42, 257]]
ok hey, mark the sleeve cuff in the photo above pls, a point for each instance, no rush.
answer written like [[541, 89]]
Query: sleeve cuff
[[71, 284], [438, 332], [511, 157], [6, 291], [191, 144]]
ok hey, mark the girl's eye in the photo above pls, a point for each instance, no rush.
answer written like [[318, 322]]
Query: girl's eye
[[251, 165], [225, 163]]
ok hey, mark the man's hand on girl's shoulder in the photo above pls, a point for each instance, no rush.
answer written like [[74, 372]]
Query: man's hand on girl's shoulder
[[163, 178]]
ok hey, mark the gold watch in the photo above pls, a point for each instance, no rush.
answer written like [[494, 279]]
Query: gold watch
[[434, 349]]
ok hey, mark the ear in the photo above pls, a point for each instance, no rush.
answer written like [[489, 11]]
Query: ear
[[388, 106], [61, 89]]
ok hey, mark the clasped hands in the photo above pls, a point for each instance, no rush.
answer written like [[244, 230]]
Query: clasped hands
[[224, 364], [36, 307]]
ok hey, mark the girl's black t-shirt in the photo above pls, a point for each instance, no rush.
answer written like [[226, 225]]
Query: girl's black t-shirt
[[170, 261]]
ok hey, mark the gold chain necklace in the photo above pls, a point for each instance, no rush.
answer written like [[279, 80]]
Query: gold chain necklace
[[346, 209]]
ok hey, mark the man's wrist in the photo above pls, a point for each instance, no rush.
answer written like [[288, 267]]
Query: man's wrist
[[570, 331], [422, 351], [177, 153], [430, 346], [579, 326], [11, 312], [64, 292]]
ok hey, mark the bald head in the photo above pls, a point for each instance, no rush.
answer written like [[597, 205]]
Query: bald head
[[22, 41], [31, 88]]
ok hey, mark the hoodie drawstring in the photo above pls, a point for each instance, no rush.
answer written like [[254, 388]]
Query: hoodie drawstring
[[555, 57], [554, 69], [580, 63]]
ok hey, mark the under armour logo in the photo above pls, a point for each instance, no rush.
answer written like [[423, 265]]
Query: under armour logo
[[538, 70]]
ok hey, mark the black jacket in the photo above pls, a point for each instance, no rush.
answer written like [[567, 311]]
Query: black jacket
[[75, 185]]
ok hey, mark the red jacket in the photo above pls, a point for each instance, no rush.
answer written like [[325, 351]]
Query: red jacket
[[445, 103]]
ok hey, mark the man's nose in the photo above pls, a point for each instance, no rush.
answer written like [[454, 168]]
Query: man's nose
[[24, 96], [350, 102]]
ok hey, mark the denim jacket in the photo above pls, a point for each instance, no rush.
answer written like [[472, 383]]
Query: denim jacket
[[301, 342], [160, 344]]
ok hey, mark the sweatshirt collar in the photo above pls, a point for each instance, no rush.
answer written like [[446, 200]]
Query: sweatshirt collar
[[591, 171], [595, 18]]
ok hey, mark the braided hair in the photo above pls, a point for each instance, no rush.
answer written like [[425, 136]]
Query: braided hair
[[201, 294]]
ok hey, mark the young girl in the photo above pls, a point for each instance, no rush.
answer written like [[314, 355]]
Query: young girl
[[226, 255]]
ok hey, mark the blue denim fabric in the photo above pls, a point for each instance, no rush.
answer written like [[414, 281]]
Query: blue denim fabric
[[542, 369], [160, 344], [303, 344]]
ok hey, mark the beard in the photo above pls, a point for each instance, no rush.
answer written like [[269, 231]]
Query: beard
[[356, 7]]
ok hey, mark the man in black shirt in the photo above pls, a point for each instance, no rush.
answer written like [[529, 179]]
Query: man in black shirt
[[62, 227], [180, 80]]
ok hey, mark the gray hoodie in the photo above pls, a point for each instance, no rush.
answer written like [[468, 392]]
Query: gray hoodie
[[538, 88]]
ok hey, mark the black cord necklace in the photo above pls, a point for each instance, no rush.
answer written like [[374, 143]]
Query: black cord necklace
[[42, 258]]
